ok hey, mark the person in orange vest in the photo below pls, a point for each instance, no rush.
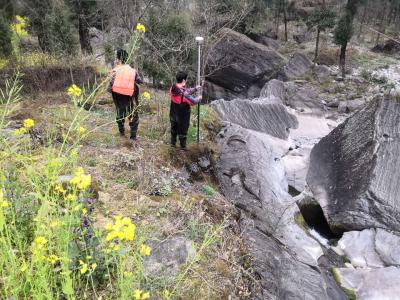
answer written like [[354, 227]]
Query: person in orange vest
[[125, 93], [181, 101]]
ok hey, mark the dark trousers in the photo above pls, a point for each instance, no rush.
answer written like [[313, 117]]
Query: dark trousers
[[180, 121], [126, 109]]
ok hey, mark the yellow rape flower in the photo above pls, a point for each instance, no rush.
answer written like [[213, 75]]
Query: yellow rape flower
[[70, 197], [53, 259], [145, 296], [166, 294], [74, 91], [84, 211], [59, 189], [80, 180], [20, 131], [137, 294], [24, 267], [19, 27], [78, 207], [145, 250], [146, 96], [81, 130], [38, 244], [140, 27], [93, 266], [3, 203], [84, 267], [29, 123]]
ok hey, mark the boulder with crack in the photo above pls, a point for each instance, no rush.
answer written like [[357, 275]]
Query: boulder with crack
[[238, 67], [284, 256], [354, 170]]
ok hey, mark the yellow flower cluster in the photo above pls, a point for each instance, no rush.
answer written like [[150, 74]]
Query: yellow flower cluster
[[140, 27], [145, 250], [81, 180], [140, 295], [74, 91], [38, 246], [28, 124], [122, 229], [19, 27], [146, 96], [85, 267], [3, 203], [52, 259], [81, 130]]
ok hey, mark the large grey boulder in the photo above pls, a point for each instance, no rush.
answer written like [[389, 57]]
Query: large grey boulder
[[239, 66], [351, 105], [297, 95], [371, 248], [284, 256], [272, 119], [370, 284], [354, 170], [298, 66], [322, 73], [359, 248]]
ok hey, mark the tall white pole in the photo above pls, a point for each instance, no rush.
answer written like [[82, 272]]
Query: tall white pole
[[199, 41]]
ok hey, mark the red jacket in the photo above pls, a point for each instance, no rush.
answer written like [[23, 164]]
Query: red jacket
[[179, 95]]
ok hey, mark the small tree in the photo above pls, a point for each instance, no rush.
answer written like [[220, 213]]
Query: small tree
[[5, 37], [322, 19], [344, 31], [83, 11], [50, 21]]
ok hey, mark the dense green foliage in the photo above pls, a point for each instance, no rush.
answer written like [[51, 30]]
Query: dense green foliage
[[5, 37]]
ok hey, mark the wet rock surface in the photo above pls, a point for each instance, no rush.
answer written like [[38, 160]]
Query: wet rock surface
[[352, 169]]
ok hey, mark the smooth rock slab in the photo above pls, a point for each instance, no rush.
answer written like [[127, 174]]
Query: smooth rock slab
[[371, 284], [354, 171], [272, 119]]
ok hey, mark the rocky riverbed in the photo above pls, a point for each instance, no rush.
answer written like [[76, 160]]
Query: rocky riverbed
[[316, 184]]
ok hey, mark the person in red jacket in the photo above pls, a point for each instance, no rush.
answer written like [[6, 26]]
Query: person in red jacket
[[181, 101]]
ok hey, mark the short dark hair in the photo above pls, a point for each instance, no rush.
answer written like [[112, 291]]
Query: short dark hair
[[181, 76], [122, 55]]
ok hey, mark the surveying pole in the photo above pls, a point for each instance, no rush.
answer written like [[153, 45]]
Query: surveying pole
[[199, 41]]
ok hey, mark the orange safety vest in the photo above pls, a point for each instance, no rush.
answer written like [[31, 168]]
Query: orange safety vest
[[124, 81]]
